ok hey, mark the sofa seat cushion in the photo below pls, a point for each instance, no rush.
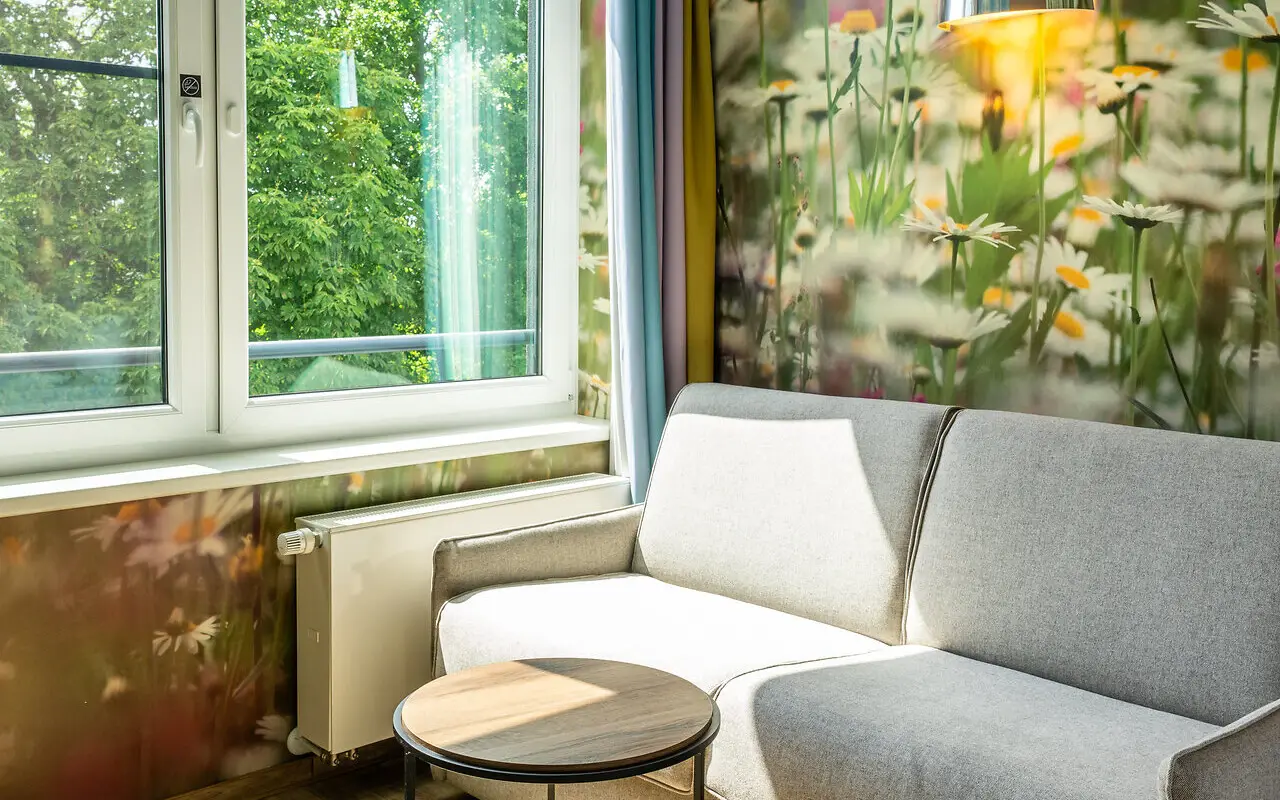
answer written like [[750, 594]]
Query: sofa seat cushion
[[704, 638], [913, 723]]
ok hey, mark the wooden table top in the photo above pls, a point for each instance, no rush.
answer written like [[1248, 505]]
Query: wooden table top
[[557, 715]]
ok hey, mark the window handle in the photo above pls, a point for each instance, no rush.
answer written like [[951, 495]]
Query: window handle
[[193, 124], [235, 119]]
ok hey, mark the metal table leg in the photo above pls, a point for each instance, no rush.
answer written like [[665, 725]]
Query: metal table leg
[[551, 791], [410, 774], [700, 775]]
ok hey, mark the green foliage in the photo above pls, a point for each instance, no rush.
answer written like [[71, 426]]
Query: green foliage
[[343, 204]]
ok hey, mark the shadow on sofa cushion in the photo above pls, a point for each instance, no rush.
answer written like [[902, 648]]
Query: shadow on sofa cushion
[[913, 723], [703, 638]]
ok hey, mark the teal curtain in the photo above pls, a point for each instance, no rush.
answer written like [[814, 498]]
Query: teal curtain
[[639, 375]]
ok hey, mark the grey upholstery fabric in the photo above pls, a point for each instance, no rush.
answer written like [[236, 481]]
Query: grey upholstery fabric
[[1239, 762], [911, 723], [1138, 564], [596, 544], [794, 502], [704, 638]]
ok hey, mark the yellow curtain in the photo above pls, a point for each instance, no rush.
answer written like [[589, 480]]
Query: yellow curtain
[[699, 191]]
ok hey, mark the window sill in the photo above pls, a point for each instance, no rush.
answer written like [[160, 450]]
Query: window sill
[[52, 491]]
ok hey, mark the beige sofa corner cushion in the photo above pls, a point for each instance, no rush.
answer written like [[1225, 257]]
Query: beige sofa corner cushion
[[703, 638], [800, 503], [912, 723]]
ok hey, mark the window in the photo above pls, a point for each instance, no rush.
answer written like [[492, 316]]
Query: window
[[364, 224], [81, 228]]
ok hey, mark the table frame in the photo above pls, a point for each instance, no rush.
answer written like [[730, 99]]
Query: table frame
[[414, 751]]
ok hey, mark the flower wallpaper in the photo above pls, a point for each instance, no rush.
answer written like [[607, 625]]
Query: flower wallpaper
[[147, 648], [594, 356], [1070, 214]]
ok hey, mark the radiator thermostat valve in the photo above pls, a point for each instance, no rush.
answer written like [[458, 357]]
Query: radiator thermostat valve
[[297, 543]]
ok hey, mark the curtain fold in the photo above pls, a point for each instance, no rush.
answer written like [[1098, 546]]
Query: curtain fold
[[639, 379], [669, 106], [700, 201], [662, 203]]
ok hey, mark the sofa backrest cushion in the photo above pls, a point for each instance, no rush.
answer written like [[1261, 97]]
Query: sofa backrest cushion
[[1139, 564], [794, 502]]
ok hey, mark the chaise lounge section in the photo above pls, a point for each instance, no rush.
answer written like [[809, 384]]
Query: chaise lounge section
[[908, 602]]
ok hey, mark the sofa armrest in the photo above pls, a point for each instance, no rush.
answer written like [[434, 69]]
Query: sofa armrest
[[597, 544], [1240, 761]]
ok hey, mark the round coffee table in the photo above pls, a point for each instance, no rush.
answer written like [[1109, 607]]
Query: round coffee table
[[557, 720]]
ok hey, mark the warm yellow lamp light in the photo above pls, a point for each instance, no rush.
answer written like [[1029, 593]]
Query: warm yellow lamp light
[[959, 12]]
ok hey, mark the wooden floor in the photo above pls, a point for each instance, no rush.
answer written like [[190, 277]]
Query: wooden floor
[[380, 782]]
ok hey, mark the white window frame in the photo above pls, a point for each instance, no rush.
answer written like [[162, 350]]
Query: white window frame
[[209, 409]]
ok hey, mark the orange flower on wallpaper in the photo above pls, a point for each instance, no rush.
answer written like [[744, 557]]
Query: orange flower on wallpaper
[[247, 561], [13, 551]]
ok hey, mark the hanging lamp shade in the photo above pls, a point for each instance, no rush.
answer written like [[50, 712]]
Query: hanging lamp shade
[[959, 12]]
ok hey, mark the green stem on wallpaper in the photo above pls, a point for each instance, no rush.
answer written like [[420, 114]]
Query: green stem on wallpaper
[[1042, 84], [1244, 110], [1268, 269], [780, 257], [882, 130], [1128, 135], [1255, 345], [1117, 33], [831, 123], [955, 259], [1173, 361], [857, 107], [1134, 322], [949, 357], [904, 127]]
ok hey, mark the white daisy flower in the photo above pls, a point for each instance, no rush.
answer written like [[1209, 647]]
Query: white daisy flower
[[1094, 287], [192, 524], [1084, 224], [180, 634], [928, 90], [1268, 359], [116, 685], [929, 186], [1074, 334], [1254, 22], [942, 325], [805, 235], [999, 299], [888, 258], [1068, 133], [1134, 215], [1132, 78], [947, 228], [853, 26], [589, 262], [1225, 66], [1249, 229], [274, 727], [806, 58], [1169, 180], [1167, 47]]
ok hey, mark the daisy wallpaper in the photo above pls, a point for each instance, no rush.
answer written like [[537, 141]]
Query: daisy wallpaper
[[147, 648], [1070, 214], [594, 357]]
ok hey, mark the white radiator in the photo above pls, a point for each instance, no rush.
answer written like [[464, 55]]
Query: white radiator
[[364, 596]]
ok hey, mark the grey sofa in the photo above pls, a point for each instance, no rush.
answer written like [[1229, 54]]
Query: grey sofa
[[893, 601]]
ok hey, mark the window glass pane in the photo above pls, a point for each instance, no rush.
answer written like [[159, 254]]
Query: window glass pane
[[96, 31], [389, 193], [81, 230]]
